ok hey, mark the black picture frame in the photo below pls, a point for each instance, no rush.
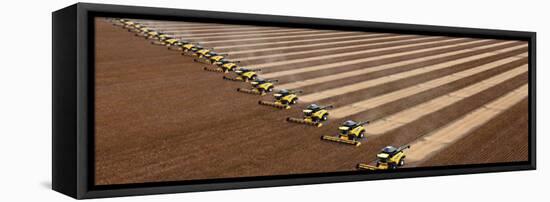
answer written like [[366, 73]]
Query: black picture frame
[[73, 93]]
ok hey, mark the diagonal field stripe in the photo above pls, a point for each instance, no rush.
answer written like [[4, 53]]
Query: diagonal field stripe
[[191, 28], [285, 42], [217, 29], [194, 26], [323, 79], [384, 36], [182, 25], [244, 59], [367, 104], [368, 59], [394, 77], [143, 22], [409, 115], [185, 33], [278, 37], [191, 33], [244, 34], [287, 62], [339, 55], [429, 144], [174, 23]]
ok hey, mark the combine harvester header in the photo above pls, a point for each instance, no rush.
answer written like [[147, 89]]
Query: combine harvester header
[[314, 115], [283, 99], [259, 87]]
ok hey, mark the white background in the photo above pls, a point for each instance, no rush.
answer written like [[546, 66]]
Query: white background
[[25, 100]]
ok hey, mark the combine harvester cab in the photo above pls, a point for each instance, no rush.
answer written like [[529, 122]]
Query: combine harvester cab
[[350, 132], [259, 87], [283, 99], [244, 74], [390, 158], [314, 115]]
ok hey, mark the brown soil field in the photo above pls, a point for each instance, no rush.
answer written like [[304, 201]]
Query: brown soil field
[[161, 117]]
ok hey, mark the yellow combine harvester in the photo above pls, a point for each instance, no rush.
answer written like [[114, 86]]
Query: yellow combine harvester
[[156, 35], [283, 99], [350, 132], [259, 87], [143, 32], [173, 42], [225, 66], [217, 59], [244, 74], [180, 45], [313, 115], [205, 54], [209, 57], [135, 28], [140, 30], [190, 48], [389, 158], [131, 26], [128, 24], [118, 22], [165, 40]]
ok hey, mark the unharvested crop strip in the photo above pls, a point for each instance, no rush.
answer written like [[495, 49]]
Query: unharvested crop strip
[[435, 141], [341, 55], [367, 59], [348, 74], [367, 104], [170, 23], [217, 29], [382, 36], [183, 33], [416, 112], [245, 45], [282, 55], [285, 38], [394, 77], [190, 28], [245, 34]]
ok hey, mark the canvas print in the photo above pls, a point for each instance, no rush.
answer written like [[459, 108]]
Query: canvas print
[[182, 100]]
